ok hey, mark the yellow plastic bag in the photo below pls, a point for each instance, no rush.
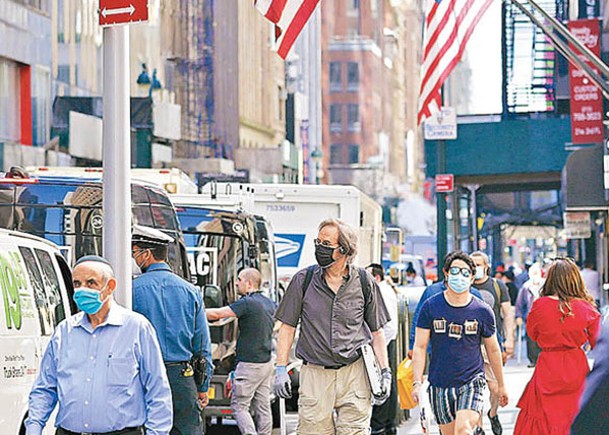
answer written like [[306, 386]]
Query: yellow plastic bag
[[405, 380]]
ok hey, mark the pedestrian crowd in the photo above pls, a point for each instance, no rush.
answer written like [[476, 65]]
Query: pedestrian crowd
[[465, 327], [113, 371]]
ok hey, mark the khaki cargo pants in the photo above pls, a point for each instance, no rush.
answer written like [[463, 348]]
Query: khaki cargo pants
[[323, 391]]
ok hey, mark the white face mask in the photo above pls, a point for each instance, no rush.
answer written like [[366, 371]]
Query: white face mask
[[480, 272]]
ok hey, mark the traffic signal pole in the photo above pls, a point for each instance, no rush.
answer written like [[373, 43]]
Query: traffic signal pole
[[117, 158], [441, 233]]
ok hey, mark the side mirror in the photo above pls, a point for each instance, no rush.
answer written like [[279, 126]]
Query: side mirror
[[212, 296]]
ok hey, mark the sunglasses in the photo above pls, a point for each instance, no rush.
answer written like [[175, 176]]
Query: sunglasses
[[454, 270]]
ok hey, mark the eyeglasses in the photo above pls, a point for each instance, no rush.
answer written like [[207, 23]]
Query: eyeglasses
[[454, 270], [324, 243]]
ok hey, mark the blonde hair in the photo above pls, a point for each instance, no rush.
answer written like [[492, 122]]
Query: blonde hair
[[565, 281]]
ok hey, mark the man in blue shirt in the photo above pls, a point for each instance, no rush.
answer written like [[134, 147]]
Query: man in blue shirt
[[103, 366], [430, 291], [456, 324], [175, 309], [254, 371]]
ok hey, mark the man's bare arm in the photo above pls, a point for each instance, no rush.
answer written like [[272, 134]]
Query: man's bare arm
[[379, 346], [285, 339]]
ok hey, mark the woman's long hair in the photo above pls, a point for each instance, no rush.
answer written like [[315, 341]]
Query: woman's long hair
[[565, 281]]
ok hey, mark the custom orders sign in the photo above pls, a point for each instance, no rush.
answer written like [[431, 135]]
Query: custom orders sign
[[586, 98]]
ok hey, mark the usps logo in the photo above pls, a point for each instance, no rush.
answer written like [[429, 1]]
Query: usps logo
[[288, 248]]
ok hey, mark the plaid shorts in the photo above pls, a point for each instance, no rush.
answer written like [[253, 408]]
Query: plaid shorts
[[445, 402]]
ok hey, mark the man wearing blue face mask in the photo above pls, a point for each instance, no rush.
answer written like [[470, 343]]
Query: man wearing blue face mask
[[456, 323], [103, 366]]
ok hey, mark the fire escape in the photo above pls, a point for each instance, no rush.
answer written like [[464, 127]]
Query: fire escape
[[530, 60]]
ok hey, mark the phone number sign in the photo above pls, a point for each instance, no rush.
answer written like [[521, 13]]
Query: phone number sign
[[586, 99]]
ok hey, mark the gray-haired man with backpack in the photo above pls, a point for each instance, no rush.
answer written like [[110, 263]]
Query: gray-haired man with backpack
[[341, 309]]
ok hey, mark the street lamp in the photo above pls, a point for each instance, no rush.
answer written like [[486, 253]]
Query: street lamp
[[145, 83], [317, 156]]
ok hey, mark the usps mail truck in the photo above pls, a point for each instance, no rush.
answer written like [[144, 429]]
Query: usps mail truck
[[295, 211]]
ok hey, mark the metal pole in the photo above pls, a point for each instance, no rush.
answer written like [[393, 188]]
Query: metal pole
[[474, 214], [117, 159], [441, 241]]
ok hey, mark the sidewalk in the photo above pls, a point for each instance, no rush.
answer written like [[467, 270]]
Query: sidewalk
[[516, 378]]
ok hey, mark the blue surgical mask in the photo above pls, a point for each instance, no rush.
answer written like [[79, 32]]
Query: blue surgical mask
[[480, 272], [458, 283], [88, 300]]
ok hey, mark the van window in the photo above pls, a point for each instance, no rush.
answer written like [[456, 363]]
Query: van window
[[52, 286], [45, 316]]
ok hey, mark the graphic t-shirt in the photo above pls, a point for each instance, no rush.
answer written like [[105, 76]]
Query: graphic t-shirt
[[456, 335]]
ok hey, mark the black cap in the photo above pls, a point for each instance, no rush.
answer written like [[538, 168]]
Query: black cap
[[142, 235], [95, 258]]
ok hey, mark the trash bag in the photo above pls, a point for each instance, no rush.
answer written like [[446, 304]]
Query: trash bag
[[405, 380]]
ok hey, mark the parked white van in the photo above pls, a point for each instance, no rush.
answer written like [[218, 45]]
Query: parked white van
[[35, 295]]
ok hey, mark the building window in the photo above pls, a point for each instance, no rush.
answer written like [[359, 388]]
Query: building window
[[10, 102], [353, 156], [41, 90], [336, 154], [352, 76], [374, 8], [336, 118], [336, 77], [353, 7], [353, 124]]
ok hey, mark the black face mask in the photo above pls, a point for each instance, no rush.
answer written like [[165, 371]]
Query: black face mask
[[323, 255]]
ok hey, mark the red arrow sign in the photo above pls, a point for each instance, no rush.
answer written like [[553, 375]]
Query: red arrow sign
[[445, 183], [113, 12]]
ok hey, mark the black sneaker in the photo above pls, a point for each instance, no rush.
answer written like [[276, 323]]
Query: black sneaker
[[478, 431], [495, 424]]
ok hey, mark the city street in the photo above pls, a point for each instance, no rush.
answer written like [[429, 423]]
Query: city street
[[516, 378]]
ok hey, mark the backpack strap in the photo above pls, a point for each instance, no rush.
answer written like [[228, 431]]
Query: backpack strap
[[366, 288], [497, 290], [308, 278]]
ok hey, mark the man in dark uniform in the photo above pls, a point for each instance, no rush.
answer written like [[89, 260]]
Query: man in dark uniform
[[175, 309]]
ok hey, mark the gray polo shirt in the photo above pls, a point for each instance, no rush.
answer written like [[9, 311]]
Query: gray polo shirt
[[333, 326]]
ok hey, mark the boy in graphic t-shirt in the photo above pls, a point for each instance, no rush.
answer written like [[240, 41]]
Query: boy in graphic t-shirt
[[457, 324]]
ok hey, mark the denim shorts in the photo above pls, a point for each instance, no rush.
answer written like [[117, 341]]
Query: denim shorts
[[445, 402]]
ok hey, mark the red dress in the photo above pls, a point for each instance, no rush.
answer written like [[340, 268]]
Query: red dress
[[550, 401]]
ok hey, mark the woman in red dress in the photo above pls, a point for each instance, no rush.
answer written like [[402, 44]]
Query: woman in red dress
[[561, 321]]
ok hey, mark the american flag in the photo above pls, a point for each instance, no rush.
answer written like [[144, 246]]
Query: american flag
[[448, 26], [289, 17]]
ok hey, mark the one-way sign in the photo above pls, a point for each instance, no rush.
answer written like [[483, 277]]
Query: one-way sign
[[112, 12]]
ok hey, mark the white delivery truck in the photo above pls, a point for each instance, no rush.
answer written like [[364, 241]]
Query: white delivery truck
[[36, 287], [173, 180], [295, 211]]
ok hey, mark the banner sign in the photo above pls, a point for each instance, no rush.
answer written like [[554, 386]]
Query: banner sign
[[586, 99]]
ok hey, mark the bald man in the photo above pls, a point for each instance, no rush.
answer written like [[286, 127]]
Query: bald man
[[103, 366], [252, 383]]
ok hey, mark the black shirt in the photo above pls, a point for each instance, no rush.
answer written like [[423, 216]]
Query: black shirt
[[255, 312]]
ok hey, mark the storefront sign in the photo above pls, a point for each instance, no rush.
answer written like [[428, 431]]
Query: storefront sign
[[586, 99]]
